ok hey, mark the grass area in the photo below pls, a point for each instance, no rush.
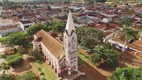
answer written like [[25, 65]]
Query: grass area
[[36, 63], [82, 59], [48, 71], [49, 74]]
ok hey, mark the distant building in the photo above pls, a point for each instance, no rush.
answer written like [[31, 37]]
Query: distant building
[[25, 24], [8, 26]]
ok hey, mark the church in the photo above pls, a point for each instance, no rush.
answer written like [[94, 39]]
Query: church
[[62, 56]]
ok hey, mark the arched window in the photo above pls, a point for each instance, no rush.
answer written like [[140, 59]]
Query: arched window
[[73, 43]]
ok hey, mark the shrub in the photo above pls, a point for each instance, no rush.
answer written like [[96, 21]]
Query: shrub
[[15, 59], [21, 50], [6, 77], [95, 58], [40, 69], [37, 55], [3, 56], [28, 76], [43, 78], [4, 66]]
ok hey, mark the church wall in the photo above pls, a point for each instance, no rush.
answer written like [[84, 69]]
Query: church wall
[[71, 50], [51, 58]]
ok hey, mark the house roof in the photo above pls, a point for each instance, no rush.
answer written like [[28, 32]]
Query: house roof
[[26, 21], [53, 45], [8, 27], [137, 45]]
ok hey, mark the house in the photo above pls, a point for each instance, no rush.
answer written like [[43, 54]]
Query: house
[[8, 26], [61, 56], [25, 24], [29, 16]]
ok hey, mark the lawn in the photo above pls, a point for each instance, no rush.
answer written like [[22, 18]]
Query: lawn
[[82, 59], [49, 74]]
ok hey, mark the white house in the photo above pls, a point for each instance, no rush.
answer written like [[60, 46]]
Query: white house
[[25, 24], [62, 56]]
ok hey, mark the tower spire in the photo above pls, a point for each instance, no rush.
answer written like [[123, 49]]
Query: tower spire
[[70, 24]]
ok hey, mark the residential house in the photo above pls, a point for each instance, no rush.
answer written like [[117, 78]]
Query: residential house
[[25, 24]]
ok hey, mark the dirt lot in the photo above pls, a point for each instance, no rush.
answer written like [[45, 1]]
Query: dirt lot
[[90, 73]]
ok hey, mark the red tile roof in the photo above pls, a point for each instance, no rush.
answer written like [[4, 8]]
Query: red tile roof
[[101, 26], [7, 27], [53, 45], [137, 45]]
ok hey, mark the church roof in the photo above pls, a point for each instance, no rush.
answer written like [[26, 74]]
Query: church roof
[[70, 24], [53, 45]]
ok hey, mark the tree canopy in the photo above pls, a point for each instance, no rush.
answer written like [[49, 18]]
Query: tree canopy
[[4, 66], [14, 60], [130, 33], [127, 74], [88, 37], [126, 21], [36, 27], [36, 55], [12, 5], [58, 27], [6, 77], [105, 54], [16, 38]]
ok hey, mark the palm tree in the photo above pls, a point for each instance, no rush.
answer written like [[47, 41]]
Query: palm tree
[[130, 35], [125, 21]]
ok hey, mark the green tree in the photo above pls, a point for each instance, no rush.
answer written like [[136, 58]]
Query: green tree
[[126, 21], [103, 54], [36, 54], [36, 27], [58, 27], [21, 50], [95, 58], [4, 66], [14, 60], [127, 74], [16, 38], [129, 34], [111, 57], [6, 77], [14, 6], [80, 32], [89, 37]]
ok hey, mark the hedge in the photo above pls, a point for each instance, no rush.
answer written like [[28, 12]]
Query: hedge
[[14, 60]]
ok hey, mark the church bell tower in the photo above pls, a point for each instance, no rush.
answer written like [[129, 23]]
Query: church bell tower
[[70, 45]]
